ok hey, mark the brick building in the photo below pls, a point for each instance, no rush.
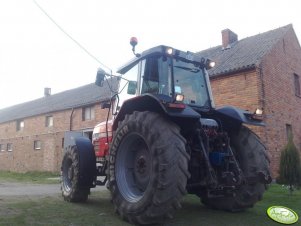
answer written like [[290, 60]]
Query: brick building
[[262, 71], [32, 133]]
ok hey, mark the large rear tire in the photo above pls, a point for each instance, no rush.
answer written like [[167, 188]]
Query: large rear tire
[[71, 191], [148, 168], [252, 158]]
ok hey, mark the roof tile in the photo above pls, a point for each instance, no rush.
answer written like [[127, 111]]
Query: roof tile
[[243, 54], [81, 96]]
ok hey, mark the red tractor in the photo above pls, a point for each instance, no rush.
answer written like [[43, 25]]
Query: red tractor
[[166, 138]]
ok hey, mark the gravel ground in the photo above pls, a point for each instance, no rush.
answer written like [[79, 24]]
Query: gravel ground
[[24, 189], [9, 189], [11, 192]]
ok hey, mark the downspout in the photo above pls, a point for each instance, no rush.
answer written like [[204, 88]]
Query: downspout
[[262, 91], [70, 119], [262, 101]]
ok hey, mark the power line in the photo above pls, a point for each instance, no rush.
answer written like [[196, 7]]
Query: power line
[[76, 42]]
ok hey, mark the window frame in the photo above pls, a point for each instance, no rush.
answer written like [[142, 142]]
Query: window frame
[[289, 130], [20, 125], [47, 121], [2, 147], [37, 144], [91, 113], [9, 147], [297, 85]]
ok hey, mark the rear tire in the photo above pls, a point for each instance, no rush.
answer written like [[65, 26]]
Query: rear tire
[[252, 158], [71, 191], [148, 168]]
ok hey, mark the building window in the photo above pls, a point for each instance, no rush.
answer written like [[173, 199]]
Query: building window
[[2, 147], [289, 131], [297, 85], [49, 121], [37, 145], [20, 125], [9, 147], [88, 113]]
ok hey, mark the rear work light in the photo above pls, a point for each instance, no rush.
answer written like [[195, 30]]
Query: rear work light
[[169, 51], [258, 114], [209, 64], [176, 105], [179, 97]]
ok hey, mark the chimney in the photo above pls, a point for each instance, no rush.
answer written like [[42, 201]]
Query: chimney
[[47, 92], [228, 37]]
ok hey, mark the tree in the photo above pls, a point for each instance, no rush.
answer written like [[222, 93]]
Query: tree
[[290, 166]]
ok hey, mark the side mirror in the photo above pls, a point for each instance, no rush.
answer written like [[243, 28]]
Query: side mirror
[[100, 77], [132, 86]]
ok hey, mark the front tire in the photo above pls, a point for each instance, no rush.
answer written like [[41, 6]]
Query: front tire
[[252, 158], [148, 168], [71, 191]]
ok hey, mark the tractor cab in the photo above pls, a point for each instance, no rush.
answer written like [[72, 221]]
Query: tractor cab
[[170, 76]]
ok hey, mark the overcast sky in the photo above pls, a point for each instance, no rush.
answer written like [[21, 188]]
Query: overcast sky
[[35, 54]]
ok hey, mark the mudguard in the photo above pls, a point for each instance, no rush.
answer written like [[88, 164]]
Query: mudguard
[[238, 115], [154, 103], [87, 162]]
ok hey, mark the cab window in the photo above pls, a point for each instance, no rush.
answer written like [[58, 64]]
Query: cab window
[[128, 88], [155, 76]]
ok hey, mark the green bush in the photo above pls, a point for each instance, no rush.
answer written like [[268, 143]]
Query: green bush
[[290, 166]]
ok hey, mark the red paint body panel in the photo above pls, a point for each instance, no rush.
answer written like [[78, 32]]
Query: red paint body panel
[[100, 140]]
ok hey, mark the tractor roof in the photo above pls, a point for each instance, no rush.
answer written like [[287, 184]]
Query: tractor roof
[[163, 50]]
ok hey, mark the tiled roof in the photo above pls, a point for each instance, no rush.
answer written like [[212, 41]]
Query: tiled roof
[[243, 54], [73, 98]]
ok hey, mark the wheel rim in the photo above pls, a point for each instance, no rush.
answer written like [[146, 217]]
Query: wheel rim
[[68, 173], [133, 167]]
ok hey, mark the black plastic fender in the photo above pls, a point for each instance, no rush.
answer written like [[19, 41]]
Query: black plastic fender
[[87, 162], [154, 103], [233, 115]]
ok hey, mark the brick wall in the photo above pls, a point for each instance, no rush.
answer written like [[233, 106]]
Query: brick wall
[[240, 90], [271, 87], [227, 89], [24, 157], [282, 106]]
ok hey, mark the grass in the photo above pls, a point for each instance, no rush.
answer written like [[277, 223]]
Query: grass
[[100, 211], [276, 195], [30, 177], [55, 211]]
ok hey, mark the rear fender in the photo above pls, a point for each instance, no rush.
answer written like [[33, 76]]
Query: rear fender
[[87, 162], [154, 103], [233, 117]]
